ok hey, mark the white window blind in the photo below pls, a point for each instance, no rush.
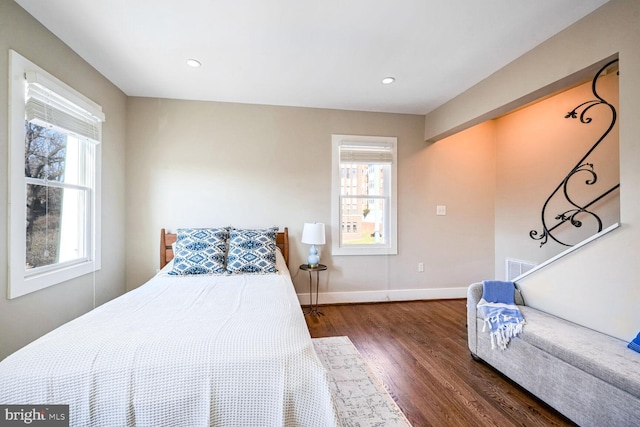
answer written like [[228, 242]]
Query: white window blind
[[45, 107], [366, 153]]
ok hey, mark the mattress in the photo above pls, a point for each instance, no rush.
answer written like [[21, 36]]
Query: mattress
[[220, 350]]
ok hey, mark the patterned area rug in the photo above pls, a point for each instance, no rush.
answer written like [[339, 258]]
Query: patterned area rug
[[360, 397]]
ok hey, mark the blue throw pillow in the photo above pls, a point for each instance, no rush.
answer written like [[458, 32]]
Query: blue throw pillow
[[252, 251], [635, 344], [200, 251]]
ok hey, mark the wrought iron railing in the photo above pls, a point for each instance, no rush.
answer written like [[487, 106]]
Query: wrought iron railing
[[578, 210]]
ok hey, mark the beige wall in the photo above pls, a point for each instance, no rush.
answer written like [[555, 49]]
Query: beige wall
[[597, 285], [27, 317], [536, 148], [195, 163]]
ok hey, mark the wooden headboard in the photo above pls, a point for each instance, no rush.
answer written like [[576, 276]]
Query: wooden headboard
[[167, 239]]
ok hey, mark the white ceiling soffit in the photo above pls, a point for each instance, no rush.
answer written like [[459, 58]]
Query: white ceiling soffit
[[327, 54]]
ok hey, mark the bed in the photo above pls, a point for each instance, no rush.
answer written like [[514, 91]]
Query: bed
[[182, 350]]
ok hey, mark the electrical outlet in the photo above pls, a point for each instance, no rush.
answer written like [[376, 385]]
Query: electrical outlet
[[421, 267]]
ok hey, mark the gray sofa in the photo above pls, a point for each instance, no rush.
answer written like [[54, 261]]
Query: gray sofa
[[591, 378]]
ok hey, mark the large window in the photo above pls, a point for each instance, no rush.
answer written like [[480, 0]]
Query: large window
[[364, 195], [54, 162]]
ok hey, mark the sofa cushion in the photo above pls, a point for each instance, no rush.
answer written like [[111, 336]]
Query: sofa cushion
[[600, 355]]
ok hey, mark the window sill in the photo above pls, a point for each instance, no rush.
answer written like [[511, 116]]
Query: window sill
[[363, 251], [20, 284]]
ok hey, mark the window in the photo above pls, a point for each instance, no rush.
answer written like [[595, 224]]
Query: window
[[54, 170], [366, 203]]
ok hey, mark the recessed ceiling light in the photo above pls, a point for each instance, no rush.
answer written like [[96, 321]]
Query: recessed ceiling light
[[388, 80], [193, 63]]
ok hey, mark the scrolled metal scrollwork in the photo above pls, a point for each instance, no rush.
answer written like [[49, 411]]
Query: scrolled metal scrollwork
[[577, 211]]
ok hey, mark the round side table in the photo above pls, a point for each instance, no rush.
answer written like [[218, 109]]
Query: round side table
[[313, 309]]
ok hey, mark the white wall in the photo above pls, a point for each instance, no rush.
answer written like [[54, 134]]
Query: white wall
[[192, 163], [28, 317], [597, 285]]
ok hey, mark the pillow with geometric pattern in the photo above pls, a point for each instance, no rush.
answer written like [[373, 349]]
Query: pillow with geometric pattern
[[200, 251], [252, 251]]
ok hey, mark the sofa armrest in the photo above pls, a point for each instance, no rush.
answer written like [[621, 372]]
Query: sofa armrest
[[474, 294]]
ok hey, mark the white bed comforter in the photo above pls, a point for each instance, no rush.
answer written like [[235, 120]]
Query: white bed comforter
[[181, 351]]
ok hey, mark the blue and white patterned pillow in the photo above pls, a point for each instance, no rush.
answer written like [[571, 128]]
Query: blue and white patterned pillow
[[200, 251], [252, 251]]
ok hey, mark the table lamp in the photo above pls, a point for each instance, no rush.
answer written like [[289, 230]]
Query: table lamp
[[313, 234]]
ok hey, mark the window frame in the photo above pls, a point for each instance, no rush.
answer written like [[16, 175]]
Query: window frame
[[20, 280], [337, 248]]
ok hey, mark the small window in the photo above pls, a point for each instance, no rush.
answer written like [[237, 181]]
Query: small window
[[367, 204], [54, 180]]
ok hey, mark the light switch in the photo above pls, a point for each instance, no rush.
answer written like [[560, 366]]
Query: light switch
[[441, 210]]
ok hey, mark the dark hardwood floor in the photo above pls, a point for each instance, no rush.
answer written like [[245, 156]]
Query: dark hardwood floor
[[419, 351]]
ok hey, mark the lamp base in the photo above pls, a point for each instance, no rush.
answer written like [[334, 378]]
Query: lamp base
[[313, 260]]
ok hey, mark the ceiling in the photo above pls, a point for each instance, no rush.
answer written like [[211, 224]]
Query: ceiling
[[311, 53]]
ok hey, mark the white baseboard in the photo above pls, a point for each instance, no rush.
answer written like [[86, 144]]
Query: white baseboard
[[387, 295]]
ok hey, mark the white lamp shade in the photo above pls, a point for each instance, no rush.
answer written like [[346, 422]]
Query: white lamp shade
[[313, 233]]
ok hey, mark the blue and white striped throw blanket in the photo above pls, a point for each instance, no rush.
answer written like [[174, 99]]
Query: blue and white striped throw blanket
[[500, 313]]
